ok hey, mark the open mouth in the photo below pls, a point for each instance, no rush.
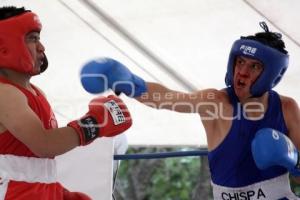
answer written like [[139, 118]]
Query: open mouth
[[241, 83], [40, 61]]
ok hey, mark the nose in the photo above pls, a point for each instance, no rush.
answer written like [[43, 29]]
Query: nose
[[40, 47], [244, 70]]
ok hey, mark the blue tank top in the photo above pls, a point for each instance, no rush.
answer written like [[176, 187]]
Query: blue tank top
[[231, 163]]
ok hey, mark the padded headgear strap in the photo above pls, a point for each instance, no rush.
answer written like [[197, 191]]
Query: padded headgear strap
[[274, 62], [14, 53]]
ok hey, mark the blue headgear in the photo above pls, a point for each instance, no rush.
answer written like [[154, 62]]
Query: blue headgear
[[274, 62]]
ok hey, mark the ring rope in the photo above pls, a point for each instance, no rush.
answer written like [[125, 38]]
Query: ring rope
[[160, 155]]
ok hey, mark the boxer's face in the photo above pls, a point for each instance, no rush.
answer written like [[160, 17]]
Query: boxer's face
[[246, 72], [36, 49]]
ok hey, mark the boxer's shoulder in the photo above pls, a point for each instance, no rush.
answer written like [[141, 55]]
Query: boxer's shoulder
[[288, 102], [10, 92]]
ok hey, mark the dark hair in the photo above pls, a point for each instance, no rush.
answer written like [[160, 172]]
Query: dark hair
[[10, 11], [271, 39]]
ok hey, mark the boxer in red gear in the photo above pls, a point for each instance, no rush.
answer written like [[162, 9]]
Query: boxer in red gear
[[29, 136]]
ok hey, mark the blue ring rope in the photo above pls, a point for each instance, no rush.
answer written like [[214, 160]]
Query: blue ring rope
[[160, 155]]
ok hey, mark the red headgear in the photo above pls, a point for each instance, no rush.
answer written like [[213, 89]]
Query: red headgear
[[14, 53]]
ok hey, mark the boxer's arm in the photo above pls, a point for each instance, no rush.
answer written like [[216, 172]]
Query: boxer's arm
[[292, 119], [17, 117], [161, 97], [99, 75]]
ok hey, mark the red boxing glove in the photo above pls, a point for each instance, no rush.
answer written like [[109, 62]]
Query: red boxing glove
[[107, 117], [75, 195]]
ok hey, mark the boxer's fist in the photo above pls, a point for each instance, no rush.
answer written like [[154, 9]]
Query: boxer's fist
[[270, 147], [102, 74], [107, 117]]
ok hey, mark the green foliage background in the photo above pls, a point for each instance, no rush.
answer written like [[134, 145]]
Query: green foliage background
[[174, 179], [295, 187]]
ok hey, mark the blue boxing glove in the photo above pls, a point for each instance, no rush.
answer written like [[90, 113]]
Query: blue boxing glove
[[102, 74], [270, 147]]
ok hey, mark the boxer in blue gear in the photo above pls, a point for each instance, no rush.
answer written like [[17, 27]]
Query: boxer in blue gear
[[245, 162]]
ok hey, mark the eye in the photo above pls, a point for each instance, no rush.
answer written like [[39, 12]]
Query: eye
[[240, 61], [256, 66], [33, 38]]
